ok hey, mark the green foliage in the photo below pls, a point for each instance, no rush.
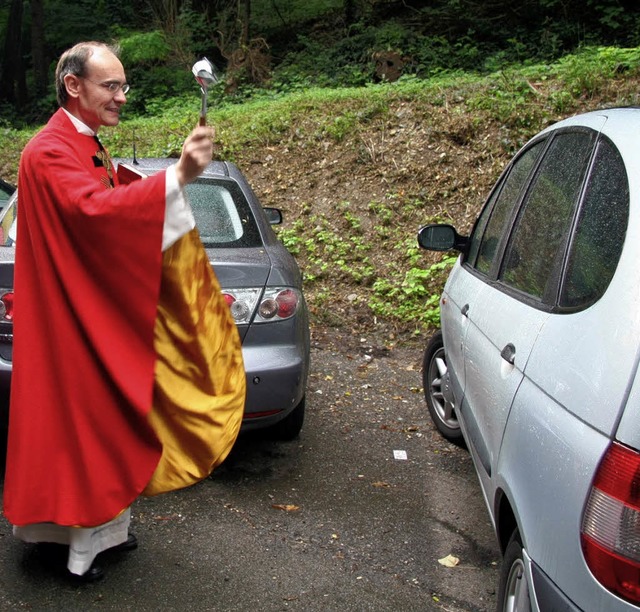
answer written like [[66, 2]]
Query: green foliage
[[449, 36], [80, 20], [161, 40], [586, 72], [339, 127], [507, 99], [350, 61], [147, 48], [412, 297], [275, 14], [329, 252]]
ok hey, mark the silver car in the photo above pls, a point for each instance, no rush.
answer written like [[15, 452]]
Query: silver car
[[261, 282], [536, 364]]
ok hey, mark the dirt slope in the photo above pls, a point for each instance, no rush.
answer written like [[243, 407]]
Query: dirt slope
[[419, 161]]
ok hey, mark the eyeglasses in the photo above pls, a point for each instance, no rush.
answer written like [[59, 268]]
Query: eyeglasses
[[112, 86]]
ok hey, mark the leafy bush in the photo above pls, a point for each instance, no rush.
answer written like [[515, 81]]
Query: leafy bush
[[587, 71], [145, 48], [412, 297]]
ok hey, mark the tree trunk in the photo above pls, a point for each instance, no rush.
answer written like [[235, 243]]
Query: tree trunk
[[12, 63], [244, 16], [40, 64]]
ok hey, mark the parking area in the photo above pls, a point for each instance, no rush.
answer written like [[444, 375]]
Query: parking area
[[360, 513]]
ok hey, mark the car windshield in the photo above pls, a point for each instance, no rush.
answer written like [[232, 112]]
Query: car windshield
[[222, 213]]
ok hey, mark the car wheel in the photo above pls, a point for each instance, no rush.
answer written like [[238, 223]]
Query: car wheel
[[290, 426], [437, 393], [513, 595]]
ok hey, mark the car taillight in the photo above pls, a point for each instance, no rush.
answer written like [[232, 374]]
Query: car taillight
[[610, 532], [6, 306], [275, 304], [282, 305], [239, 309]]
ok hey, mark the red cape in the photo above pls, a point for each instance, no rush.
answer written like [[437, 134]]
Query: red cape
[[87, 279]]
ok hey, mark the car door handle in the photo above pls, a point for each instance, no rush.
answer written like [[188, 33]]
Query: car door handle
[[464, 310], [509, 353]]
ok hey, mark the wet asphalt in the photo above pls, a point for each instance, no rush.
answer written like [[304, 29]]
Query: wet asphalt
[[338, 519]]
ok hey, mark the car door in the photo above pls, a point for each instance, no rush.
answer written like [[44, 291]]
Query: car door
[[522, 258]]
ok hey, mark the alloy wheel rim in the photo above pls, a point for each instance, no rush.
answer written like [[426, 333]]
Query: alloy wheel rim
[[517, 591], [438, 389]]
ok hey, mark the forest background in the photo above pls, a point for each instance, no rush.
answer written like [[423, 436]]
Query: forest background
[[360, 119]]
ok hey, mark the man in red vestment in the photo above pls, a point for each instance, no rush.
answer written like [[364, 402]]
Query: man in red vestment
[[89, 258]]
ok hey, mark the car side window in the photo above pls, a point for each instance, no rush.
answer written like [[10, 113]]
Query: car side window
[[538, 241], [498, 210], [600, 230]]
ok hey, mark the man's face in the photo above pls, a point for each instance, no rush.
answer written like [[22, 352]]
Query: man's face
[[91, 101]]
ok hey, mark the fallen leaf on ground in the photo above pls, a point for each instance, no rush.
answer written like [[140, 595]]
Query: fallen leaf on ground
[[449, 561], [286, 507]]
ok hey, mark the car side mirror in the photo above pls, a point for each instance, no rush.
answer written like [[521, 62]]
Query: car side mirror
[[274, 215], [441, 238]]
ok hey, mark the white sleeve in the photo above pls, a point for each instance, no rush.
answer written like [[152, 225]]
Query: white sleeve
[[178, 218]]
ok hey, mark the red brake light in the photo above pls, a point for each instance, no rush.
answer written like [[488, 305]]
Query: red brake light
[[610, 531], [6, 309], [287, 303]]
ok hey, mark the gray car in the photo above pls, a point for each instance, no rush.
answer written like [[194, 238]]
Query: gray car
[[261, 282], [536, 365]]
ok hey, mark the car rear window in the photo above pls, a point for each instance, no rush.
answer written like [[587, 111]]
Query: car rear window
[[223, 216], [222, 213], [600, 231]]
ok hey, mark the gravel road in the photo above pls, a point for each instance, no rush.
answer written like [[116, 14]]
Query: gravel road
[[357, 514]]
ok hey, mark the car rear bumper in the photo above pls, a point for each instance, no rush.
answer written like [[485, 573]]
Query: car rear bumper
[[276, 382], [546, 594]]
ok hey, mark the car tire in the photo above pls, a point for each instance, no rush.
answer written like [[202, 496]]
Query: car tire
[[289, 428], [513, 594], [441, 409]]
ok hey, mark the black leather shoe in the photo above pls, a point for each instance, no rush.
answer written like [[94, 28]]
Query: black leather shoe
[[93, 574], [52, 554], [131, 543]]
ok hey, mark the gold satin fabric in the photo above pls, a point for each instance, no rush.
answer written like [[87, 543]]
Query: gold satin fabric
[[200, 383]]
